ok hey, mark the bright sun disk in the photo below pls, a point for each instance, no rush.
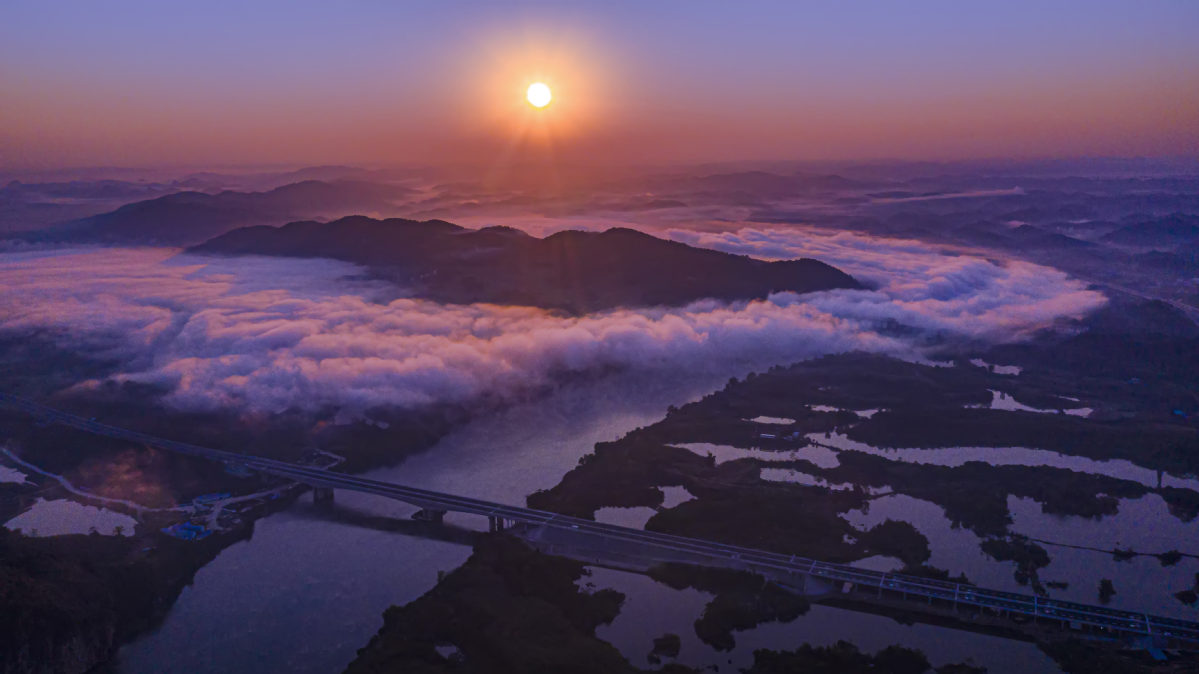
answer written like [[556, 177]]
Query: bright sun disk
[[539, 95]]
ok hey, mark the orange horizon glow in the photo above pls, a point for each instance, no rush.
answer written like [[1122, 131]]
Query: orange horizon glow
[[620, 93]]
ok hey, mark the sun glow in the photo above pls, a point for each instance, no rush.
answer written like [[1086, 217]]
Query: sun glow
[[539, 95]]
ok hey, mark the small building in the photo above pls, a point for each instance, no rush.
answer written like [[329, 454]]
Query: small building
[[188, 531]]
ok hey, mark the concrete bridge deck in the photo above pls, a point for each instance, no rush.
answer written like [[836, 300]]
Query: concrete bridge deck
[[657, 547]]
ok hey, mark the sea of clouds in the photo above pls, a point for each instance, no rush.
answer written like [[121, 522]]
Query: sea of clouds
[[275, 333], [931, 287]]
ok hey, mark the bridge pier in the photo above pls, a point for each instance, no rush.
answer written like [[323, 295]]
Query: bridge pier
[[811, 586], [429, 515], [640, 549]]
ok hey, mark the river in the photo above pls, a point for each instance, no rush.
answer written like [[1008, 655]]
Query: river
[[307, 590], [304, 593]]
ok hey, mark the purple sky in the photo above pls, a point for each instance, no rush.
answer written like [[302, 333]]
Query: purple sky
[[129, 83]]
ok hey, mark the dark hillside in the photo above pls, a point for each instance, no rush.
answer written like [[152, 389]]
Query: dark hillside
[[572, 271]]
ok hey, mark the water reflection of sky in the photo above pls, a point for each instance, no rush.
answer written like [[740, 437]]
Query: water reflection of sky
[[11, 475], [652, 609], [821, 456], [1009, 456], [63, 516], [306, 592]]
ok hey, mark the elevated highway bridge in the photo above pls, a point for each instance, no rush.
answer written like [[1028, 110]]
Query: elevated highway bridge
[[637, 548]]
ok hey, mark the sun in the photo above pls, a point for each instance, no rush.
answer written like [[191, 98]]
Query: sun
[[539, 95]]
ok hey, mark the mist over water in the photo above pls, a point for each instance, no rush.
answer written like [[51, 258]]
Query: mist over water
[[345, 236], [270, 334], [309, 589]]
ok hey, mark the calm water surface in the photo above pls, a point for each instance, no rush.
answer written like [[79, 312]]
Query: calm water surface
[[309, 588], [305, 593]]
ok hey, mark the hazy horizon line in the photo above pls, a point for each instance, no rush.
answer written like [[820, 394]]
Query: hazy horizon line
[[249, 168]]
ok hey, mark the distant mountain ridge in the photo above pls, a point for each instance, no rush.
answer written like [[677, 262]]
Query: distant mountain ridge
[[573, 271], [1166, 232], [190, 217]]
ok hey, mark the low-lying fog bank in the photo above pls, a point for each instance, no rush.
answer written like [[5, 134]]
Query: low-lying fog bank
[[273, 333]]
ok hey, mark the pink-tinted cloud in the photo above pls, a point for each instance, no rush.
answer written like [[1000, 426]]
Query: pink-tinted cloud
[[274, 333], [918, 284]]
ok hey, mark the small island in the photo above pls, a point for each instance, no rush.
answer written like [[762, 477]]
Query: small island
[[572, 271]]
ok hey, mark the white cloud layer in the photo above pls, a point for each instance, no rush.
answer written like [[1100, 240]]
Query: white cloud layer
[[918, 284], [273, 333]]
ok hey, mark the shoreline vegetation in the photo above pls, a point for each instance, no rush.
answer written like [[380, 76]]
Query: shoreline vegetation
[[800, 403], [793, 518], [572, 271], [731, 500], [72, 601], [509, 608]]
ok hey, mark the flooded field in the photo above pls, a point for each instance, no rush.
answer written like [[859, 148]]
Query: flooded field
[[653, 609], [1007, 456], [11, 475], [62, 516]]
